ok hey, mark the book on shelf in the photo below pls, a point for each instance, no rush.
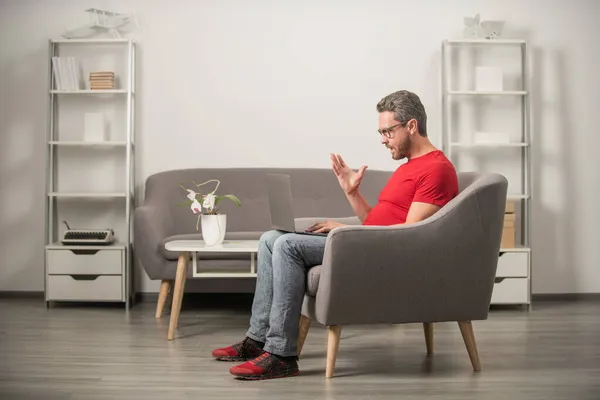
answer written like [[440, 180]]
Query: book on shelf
[[102, 80], [66, 73]]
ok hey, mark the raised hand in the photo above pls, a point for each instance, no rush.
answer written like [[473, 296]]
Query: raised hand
[[349, 180]]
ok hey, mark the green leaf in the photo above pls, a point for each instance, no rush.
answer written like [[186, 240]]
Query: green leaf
[[230, 197]]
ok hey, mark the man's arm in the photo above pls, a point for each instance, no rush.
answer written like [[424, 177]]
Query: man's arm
[[419, 211], [359, 205], [434, 190]]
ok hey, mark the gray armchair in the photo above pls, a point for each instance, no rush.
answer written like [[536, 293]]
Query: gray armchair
[[437, 270]]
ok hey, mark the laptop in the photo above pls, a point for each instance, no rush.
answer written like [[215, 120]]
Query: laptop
[[280, 205]]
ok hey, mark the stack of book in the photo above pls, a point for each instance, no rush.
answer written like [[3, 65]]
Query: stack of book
[[102, 80], [66, 73], [508, 233]]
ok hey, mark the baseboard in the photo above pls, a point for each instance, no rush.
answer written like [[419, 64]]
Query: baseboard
[[21, 294], [146, 297], [153, 296], [565, 297]]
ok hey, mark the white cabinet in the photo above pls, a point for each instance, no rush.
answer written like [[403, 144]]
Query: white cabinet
[[86, 273], [511, 285], [513, 265], [510, 291], [85, 288], [85, 262], [90, 168]]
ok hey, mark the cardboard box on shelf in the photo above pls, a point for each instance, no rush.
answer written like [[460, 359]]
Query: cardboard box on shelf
[[508, 232], [510, 207]]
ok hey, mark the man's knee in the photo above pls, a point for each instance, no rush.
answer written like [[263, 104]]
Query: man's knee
[[268, 238], [284, 244]]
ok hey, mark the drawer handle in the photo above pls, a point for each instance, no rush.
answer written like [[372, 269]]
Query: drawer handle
[[498, 280], [87, 251], [84, 277]]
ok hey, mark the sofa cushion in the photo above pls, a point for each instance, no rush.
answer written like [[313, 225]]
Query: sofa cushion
[[173, 255], [312, 281]]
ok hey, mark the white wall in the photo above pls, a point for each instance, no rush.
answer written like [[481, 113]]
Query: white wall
[[267, 83]]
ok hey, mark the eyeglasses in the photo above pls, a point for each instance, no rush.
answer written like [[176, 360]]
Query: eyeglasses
[[387, 132]]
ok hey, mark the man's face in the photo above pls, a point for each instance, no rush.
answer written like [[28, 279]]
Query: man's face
[[398, 141]]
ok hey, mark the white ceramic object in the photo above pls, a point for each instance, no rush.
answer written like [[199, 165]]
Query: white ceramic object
[[213, 228], [492, 29], [471, 30]]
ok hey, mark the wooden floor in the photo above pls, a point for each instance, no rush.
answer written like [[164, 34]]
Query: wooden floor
[[102, 352]]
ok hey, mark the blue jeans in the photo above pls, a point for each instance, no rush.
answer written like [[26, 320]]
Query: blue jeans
[[283, 262]]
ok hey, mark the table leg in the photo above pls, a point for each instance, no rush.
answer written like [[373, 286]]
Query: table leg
[[252, 264], [178, 290]]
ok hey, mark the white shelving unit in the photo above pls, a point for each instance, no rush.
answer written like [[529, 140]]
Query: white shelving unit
[[93, 273], [513, 276]]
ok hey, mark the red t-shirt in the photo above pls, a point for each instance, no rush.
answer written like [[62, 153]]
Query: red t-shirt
[[430, 178]]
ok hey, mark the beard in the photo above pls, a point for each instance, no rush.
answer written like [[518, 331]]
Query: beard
[[402, 150]]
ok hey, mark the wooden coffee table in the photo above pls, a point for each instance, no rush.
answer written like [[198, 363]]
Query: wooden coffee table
[[187, 248]]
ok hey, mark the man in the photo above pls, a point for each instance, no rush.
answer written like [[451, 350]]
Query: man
[[416, 190]]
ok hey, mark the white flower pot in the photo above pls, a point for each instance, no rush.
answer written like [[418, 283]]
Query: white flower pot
[[213, 228]]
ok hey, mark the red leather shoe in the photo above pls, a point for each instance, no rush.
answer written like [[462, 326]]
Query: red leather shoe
[[266, 366], [245, 350]]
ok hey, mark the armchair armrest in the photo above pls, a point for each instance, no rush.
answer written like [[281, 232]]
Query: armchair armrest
[[151, 225], [440, 269]]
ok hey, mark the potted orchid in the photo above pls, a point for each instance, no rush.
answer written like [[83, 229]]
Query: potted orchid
[[214, 224]]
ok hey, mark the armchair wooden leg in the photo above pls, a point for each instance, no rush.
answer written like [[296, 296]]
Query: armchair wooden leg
[[303, 331], [466, 329], [428, 329], [165, 286], [333, 343]]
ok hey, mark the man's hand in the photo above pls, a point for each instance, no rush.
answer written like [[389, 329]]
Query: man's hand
[[323, 227], [348, 179]]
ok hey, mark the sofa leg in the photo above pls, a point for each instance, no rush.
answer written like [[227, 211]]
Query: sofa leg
[[165, 286], [428, 329], [466, 329], [302, 332], [333, 344]]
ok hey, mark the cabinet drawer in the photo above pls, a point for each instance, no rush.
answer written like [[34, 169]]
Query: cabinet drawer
[[88, 262], [85, 287], [510, 291], [512, 265]]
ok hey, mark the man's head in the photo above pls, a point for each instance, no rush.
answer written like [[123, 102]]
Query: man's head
[[402, 122]]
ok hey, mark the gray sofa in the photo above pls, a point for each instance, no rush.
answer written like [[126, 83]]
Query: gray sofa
[[316, 193]]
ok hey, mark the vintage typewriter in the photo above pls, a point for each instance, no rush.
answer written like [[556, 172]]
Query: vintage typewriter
[[83, 237]]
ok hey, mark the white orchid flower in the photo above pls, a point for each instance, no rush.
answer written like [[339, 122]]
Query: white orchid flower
[[191, 194], [209, 201], [195, 206]]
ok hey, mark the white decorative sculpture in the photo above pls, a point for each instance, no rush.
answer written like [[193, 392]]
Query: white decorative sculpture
[[471, 30], [103, 21]]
